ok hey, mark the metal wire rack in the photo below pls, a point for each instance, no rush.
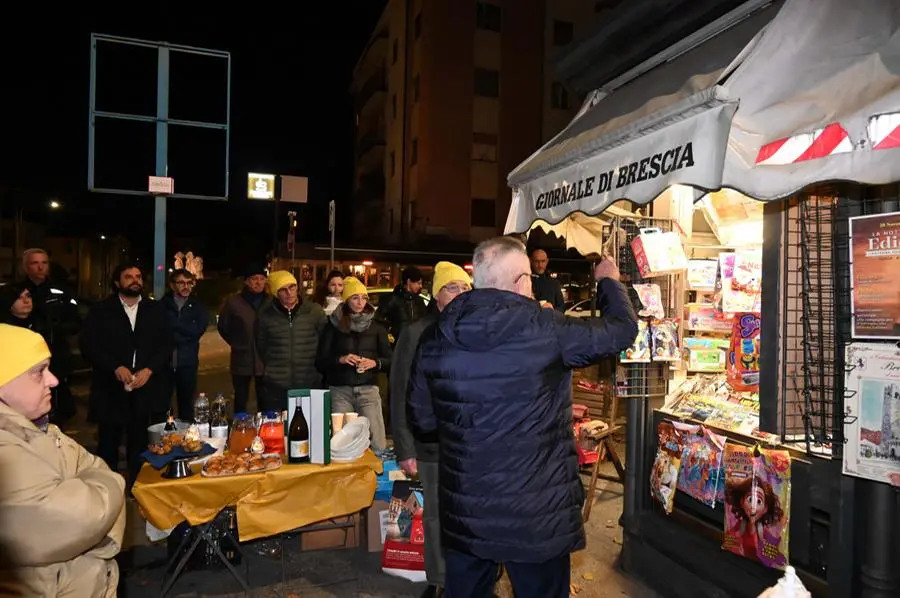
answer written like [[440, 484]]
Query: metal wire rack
[[816, 321], [649, 380]]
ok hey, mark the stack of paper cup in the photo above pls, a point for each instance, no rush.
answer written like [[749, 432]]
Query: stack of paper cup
[[337, 423]]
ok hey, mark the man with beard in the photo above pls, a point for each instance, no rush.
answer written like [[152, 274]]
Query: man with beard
[[128, 343]]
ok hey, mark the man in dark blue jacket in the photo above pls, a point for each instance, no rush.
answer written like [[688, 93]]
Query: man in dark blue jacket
[[188, 320], [493, 378]]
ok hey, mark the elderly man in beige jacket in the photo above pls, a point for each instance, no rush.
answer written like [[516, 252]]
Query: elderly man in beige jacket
[[62, 511]]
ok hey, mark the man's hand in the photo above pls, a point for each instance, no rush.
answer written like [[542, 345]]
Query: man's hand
[[123, 374], [349, 359], [141, 378], [606, 268], [365, 364], [409, 466], [895, 479]]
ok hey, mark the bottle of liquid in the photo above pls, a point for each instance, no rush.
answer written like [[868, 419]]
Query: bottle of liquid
[[298, 438], [201, 415], [218, 425]]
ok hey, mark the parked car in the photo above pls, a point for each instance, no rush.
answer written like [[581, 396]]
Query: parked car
[[582, 309]]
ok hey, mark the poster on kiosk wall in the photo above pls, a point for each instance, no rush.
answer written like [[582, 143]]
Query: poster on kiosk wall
[[874, 268], [872, 412]]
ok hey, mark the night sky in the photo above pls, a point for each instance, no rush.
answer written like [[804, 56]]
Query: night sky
[[291, 113]]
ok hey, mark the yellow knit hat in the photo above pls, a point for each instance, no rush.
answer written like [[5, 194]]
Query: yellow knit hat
[[447, 272], [353, 286], [280, 279], [20, 349]]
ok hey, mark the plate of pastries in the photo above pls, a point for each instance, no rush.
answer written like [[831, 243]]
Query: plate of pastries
[[239, 464], [170, 442]]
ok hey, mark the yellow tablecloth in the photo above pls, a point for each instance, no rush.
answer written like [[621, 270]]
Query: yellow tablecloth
[[267, 503]]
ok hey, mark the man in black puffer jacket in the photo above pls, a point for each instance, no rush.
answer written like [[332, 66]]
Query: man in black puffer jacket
[[493, 378]]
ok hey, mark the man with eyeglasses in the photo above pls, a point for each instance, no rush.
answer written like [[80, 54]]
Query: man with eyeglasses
[[420, 455], [492, 380], [188, 320]]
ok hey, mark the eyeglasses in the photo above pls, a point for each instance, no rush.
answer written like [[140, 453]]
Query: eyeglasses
[[456, 289], [184, 283]]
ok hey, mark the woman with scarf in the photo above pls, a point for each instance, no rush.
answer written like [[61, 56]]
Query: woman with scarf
[[353, 348], [17, 309]]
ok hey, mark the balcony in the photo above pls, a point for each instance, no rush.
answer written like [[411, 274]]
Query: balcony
[[370, 149], [375, 86]]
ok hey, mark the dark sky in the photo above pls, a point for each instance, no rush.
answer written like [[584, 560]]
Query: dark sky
[[291, 113]]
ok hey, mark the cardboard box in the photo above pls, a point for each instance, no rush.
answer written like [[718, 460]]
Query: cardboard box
[[315, 405], [376, 525], [340, 538]]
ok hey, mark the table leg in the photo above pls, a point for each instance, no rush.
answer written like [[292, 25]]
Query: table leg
[[234, 572], [169, 581]]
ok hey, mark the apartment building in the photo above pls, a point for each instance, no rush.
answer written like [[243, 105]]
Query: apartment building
[[450, 95]]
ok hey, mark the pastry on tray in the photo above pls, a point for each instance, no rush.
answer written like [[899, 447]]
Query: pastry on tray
[[231, 464]]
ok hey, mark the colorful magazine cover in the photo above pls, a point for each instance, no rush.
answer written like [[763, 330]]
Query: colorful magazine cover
[[702, 474], [757, 504], [404, 544]]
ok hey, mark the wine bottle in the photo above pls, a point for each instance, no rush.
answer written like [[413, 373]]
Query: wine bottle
[[298, 438]]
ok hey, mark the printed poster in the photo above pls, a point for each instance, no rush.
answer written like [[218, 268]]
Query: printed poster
[[872, 412], [874, 264]]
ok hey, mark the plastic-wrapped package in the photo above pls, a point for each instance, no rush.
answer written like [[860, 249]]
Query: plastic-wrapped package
[[639, 351], [757, 503], [789, 586], [651, 298], [664, 340], [743, 356], [664, 474]]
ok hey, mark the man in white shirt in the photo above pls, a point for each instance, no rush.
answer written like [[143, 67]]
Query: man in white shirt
[[127, 342]]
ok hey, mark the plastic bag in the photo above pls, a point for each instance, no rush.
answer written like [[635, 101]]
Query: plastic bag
[[702, 476], [664, 474], [789, 586], [639, 351], [664, 341], [651, 298], [757, 503]]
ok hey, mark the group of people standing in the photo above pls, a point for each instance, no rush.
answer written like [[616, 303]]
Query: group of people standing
[[480, 386]]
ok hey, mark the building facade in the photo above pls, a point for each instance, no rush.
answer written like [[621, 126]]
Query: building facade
[[450, 95]]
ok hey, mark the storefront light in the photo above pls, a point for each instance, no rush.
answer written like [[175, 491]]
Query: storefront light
[[368, 263]]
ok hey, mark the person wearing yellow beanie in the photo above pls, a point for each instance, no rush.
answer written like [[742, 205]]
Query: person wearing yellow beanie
[[279, 280], [353, 286], [447, 272], [420, 455], [353, 350], [62, 511]]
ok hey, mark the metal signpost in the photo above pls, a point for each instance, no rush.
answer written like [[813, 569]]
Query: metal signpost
[[331, 215], [161, 185]]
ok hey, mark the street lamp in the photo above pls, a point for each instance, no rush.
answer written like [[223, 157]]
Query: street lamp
[[55, 205]]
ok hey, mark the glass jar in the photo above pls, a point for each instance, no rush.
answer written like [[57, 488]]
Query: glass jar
[[242, 434], [272, 432]]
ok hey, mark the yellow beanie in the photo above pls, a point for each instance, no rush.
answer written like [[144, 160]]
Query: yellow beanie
[[20, 349], [280, 279], [445, 273], [353, 286]]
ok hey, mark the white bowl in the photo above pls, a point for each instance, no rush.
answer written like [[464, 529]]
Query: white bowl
[[349, 437]]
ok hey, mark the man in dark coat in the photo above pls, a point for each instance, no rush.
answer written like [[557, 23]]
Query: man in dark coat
[[405, 305], [188, 320], [493, 379], [55, 305], [544, 286], [237, 327], [420, 455], [127, 341]]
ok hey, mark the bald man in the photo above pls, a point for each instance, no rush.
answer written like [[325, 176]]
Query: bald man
[[545, 288]]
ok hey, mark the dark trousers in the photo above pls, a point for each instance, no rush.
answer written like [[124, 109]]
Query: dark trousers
[[242, 392], [109, 436], [274, 398], [471, 577], [183, 381], [431, 519]]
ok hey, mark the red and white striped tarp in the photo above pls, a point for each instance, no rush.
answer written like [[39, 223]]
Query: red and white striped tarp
[[829, 141], [884, 131]]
